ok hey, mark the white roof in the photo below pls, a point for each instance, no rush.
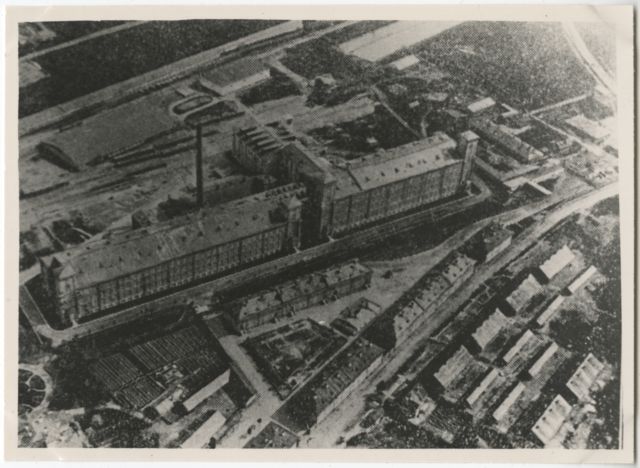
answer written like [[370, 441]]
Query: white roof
[[405, 62], [523, 293], [583, 278], [482, 104], [489, 329], [557, 262], [537, 366], [584, 377], [517, 347], [482, 386], [504, 407], [203, 434], [550, 310], [548, 425]]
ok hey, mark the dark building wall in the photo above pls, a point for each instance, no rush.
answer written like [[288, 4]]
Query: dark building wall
[[381, 202], [175, 273]]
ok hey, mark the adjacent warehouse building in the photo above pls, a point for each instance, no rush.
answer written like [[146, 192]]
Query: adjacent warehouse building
[[108, 134], [510, 143], [286, 299], [385, 184], [329, 387], [102, 275], [345, 196]]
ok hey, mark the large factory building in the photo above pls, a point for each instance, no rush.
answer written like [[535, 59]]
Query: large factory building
[[122, 269], [348, 195]]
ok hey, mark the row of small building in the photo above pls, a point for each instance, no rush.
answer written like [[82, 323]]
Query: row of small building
[[353, 364], [473, 372]]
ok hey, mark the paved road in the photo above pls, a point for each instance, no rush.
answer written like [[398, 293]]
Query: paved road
[[587, 58]]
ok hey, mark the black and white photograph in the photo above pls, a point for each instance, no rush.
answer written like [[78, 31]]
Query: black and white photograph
[[262, 233]]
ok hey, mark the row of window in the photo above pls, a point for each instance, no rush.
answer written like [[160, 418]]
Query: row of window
[[395, 198], [178, 272]]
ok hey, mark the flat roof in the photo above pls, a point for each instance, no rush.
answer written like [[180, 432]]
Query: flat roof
[[122, 254], [554, 264], [554, 416], [405, 62], [524, 293], [584, 377], [112, 131], [307, 284], [489, 329], [385, 167], [457, 363], [480, 105]]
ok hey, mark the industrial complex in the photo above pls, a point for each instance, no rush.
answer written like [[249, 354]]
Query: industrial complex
[[297, 234]]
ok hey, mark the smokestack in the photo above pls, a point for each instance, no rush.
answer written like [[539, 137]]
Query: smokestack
[[199, 188]]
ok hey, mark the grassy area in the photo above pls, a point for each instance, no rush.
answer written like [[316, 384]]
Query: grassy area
[[526, 65], [105, 60]]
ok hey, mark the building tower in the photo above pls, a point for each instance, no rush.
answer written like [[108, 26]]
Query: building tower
[[199, 183], [467, 147]]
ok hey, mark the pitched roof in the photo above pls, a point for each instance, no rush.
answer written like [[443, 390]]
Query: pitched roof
[[583, 378], [489, 329], [525, 291], [554, 416], [554, 264], [385, 167]]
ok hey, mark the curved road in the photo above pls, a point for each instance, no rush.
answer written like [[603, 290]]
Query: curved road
[[584, 54]]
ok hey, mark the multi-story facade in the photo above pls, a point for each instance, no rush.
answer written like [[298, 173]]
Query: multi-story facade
[[348, 195], [286, 299], [102, 275]]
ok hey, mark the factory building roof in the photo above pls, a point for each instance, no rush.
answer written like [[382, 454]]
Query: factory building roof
[[481, 105], [385, 167], [454, 366], [494, 235], [526, 337], [489, 329], [110, 132], [584, 377], [582, 279], [406, 316], [405, 62], [548, 425], [484, 384], [554, 264], [525, 291], [356, 316], [499, 135], [456, 267], [266, 139], [588, 127], [303, 408], [125, 253], [503, 408], [432, 291], [542, 361], [305, 285], [550, 310]]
